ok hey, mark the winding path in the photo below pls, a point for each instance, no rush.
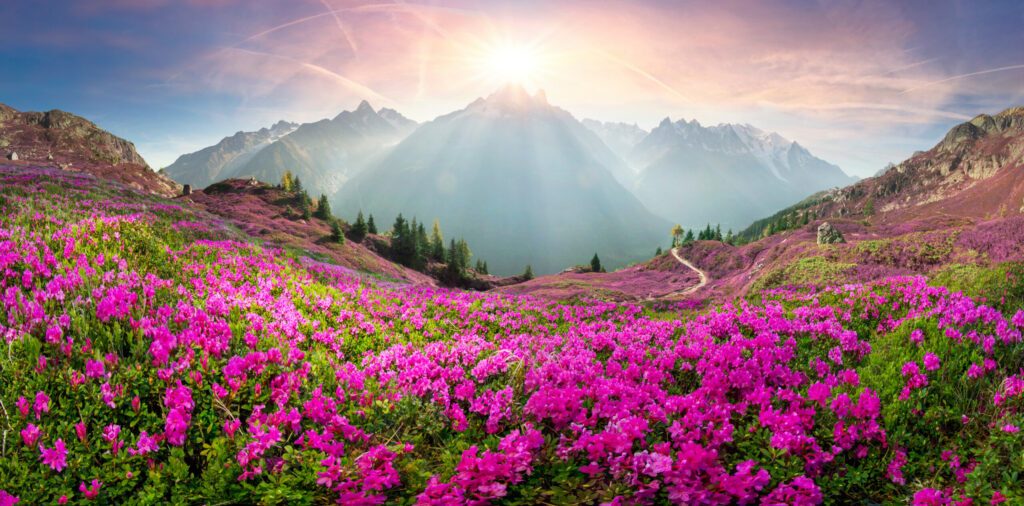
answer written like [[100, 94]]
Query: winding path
[[703, 276]]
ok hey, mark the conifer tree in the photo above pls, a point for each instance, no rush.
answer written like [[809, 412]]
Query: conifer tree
[[359, 228], [595, 264], [337, 232], [689, 237], [658, 252], [297, 185], [718, 232], [437, 243], [371, 227], [323, 208], [528, 273]]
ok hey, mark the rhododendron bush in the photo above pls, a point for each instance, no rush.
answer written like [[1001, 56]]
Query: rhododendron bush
[[148, 361]]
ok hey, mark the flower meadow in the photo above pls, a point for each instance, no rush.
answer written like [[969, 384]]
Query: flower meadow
[[147, 361]]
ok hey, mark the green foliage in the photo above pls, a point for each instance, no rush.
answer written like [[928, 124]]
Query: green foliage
[[337, 232], [323, 209], [528, 273], [595, 264], [287, 181], [359, 228], [1001, 286], [818, 271], [371, 226]]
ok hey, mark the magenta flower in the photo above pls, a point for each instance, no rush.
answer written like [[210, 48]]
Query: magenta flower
[[42, 404], [6, 499], [56, 457], [81, 431], [30, 434], [92, 491], [931, 362]]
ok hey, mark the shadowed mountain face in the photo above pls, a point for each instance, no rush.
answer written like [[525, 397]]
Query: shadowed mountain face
[[73, 143], [209, 165], [727, 174], [524, 182], [323, 154]]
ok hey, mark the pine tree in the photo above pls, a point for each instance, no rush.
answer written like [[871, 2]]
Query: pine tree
[[595, 264], [718, 232], [528, 273], [337, 232], [403, 242], [297, 185], [371, 227], [422, 247], [481, 267], [689, 237], [437, 243], [359, 228], [658, 253], [729, 238], [323, 208], [305, 204], [287, 183]]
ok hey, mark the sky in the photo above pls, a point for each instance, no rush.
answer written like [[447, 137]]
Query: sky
[[859, 83]]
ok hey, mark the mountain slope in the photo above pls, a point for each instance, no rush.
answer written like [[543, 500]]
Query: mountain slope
[[323, 154], [728, 174], [327, 153], [954, 212], [210, 164], [976, 170], [621, 138], [521, 180], [59, 138]]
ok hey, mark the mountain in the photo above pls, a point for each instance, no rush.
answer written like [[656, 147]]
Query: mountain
[[61, 139], [323, 154], [211, 164], [522, 181], [976, 170], [621, 138], [727, 174], [954, 213]]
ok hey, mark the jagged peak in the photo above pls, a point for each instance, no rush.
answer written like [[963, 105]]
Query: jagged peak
[[364, 107], [1012, 112]]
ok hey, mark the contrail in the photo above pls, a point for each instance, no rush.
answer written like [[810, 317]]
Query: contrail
[[645, 74], [358, 87], [961, 76], [344, 29]]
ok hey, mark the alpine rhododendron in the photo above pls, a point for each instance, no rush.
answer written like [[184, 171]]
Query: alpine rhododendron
[[185, 365]]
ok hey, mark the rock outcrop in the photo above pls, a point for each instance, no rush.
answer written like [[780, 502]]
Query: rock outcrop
[[827, 234]]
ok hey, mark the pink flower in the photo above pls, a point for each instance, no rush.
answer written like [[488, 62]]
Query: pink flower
[[30, 434], [7, 499], [145, 445], [90, 492], [81, 431], [997, 496], [56, 458], [94, 369], [42, 404], [1010, 428], [63, 499], [931, 361], [929, 497], [917, 336]]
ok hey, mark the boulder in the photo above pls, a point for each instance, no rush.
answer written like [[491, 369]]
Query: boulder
[[12, 156], [827, 234], [186, 189]]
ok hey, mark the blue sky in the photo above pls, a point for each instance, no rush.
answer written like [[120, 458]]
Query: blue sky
[[859, 83]]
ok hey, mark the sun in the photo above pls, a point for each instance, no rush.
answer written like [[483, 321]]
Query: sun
[[513, 63]]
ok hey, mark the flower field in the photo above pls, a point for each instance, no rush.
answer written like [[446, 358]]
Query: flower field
[[151, 356]]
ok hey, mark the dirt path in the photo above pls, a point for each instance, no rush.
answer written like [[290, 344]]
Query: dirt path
[[703, 277]]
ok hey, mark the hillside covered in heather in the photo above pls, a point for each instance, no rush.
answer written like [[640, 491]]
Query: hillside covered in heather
[[156, 355]]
